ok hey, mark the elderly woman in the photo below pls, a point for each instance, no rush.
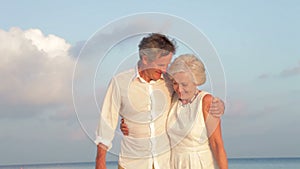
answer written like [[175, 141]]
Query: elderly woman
[[195, 136]]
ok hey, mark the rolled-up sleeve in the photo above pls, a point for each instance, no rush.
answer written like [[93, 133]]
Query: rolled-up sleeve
[[109, 115]]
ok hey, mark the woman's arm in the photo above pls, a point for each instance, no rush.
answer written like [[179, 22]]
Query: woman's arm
[[213, 125]]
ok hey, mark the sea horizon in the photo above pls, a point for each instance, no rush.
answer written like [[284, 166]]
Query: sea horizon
[[113, 161]]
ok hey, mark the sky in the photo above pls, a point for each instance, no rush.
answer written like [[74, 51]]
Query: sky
[[257, 43]]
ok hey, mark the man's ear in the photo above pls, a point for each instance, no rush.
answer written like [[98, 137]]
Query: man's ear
[[145, 60]]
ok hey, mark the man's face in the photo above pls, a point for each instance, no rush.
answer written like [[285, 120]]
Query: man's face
[[158, 66]]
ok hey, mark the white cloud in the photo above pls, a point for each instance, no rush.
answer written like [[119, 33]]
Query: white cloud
[[264, 76], [51, 44], [287, 72], [35, 70], [293, 71]]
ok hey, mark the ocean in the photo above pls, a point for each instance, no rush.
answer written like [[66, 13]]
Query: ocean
[[236, 163]]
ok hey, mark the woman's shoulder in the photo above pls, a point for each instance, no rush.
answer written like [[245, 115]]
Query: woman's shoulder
[[205, 95], [206, 98]]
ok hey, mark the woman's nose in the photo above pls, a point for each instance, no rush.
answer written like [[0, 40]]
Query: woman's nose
[[180, 88]]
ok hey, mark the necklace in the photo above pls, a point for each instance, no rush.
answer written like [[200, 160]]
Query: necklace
[[185, 101]]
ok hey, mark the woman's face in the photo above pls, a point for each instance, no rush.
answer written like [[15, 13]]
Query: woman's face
[[184, 85]]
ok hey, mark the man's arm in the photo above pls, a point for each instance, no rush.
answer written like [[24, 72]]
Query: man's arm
[[107, 123], [101, 156], [217, 107]]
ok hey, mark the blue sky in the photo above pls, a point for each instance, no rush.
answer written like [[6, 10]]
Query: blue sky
[[257, 43]]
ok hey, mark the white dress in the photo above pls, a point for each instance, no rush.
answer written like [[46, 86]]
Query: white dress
[[188, 136]]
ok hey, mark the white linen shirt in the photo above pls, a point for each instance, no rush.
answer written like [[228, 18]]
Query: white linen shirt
[[144, 107]]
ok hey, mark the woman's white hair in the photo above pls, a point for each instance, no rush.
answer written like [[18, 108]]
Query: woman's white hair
[[189, 63]]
